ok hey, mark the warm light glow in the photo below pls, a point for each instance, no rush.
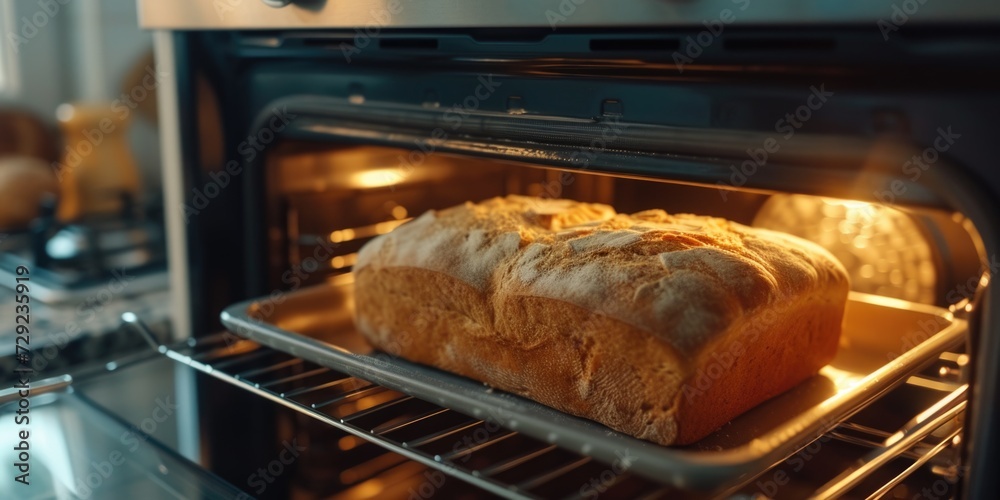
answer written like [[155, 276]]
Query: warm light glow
[[342, 235], [883, 249], [349, 234], [342, 261], [385, 227], [348, 442], [379, 177], [368, 489], [849, 204]]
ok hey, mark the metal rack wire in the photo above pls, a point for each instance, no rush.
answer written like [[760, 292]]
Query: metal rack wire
[[499, 460]]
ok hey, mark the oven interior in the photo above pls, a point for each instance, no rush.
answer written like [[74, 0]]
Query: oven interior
[[360, 157], [324, 201]]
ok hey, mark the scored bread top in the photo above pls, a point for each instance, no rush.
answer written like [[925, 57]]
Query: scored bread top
[[684, 278]]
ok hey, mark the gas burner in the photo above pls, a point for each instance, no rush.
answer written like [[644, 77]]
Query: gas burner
[[69, 262]]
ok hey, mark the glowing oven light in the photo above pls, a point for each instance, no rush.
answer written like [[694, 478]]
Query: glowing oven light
[[342, 235], [882, 249], [379, 177], [342, 261]]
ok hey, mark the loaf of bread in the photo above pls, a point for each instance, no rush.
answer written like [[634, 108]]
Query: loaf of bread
[[663, 327]]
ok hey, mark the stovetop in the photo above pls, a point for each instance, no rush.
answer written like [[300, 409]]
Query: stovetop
[[80, 277], [74, 262]]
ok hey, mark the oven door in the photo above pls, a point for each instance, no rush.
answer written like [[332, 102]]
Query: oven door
[[322, 150]]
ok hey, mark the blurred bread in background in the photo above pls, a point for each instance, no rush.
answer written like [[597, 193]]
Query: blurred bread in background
[[27, 151], [23, 134], [24, 181]]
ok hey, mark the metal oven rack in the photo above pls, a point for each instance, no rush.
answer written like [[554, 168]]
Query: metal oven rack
[[512, 465]]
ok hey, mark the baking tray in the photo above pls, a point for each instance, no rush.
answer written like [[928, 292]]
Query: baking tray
[[884, 341]]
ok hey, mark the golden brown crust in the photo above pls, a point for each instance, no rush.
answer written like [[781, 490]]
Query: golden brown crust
[[605, 316], [769, 353]]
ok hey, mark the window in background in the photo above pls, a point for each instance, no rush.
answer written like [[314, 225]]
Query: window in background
[[8, 55]]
